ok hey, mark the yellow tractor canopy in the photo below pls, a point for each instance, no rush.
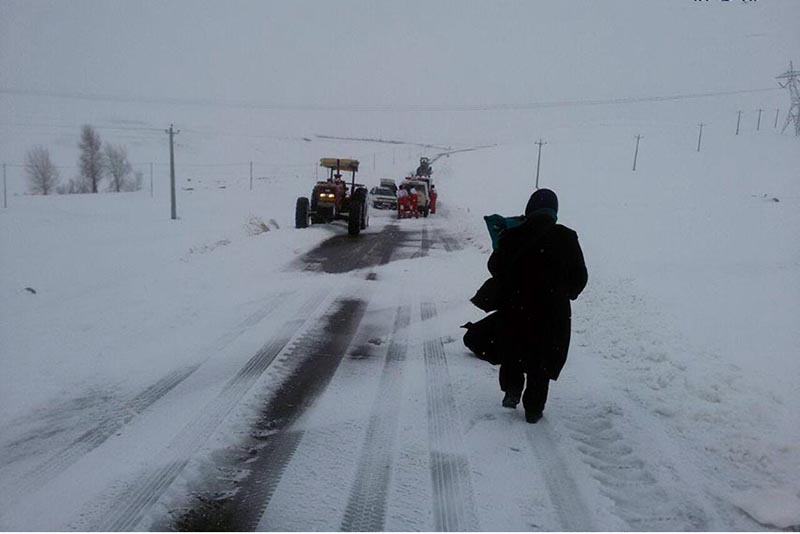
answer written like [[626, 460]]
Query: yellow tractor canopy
[[339, 164]]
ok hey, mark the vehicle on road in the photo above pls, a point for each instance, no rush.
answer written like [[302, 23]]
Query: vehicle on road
[[407, 204], [432, 194], [390, 184], [424, 172], [424, 168], [420, 188], [334, 199], [382, 198]]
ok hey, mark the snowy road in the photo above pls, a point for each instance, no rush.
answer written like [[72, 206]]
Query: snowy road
[[346, 401], [240, 503]]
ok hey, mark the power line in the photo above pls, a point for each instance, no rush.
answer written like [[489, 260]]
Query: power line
[[254, 136], [215, 164], [309, 138], [145, 164], [78, 126], [422, 108], [380, 141]]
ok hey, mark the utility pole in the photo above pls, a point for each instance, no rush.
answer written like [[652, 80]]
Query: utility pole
[[777, 110], [699, 137], [539, 160], [738, 121], [636, 154], [251, 176], [172, 133], [373, 163], [758, 126], [151, 179], [5, 200]]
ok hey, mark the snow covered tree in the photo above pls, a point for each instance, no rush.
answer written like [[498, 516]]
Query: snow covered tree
[[118, 168], [91, 159], [42, 174]]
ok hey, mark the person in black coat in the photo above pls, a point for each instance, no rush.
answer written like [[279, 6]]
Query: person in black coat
[[539, 268]]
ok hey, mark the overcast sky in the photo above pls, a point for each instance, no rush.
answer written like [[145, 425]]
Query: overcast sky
[[389, 53]]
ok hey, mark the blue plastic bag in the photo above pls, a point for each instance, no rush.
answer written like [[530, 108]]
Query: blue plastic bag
[[497, 224]]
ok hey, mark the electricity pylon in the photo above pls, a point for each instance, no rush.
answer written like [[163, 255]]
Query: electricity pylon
[[792, 82]]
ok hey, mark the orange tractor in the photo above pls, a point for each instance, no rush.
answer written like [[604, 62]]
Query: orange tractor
[[335, 199]]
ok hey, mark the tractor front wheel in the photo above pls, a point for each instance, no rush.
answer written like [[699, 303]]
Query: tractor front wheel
[[301, 213]]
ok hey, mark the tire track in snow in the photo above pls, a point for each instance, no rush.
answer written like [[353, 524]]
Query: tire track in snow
[[342, 253], [95, 437], [129, 409], [272, 442], [425, 244], [301, 390], [366, 508], [127, 509], [453, 506], [448, 242], [572, 512]]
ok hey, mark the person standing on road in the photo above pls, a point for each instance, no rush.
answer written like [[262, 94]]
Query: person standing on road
[[539, 268]]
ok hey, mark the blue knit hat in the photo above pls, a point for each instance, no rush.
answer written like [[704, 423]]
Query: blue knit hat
[[543, 201]]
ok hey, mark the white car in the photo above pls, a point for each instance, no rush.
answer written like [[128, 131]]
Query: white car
[[382, 198], [390, 184]]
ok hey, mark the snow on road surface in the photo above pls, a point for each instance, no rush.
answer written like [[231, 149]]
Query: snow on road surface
[[193, 375]]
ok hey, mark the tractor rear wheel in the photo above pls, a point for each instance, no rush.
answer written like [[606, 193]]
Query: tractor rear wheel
[[365, 216], [354, 218]]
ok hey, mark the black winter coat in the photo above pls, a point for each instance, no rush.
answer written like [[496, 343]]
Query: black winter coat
[[539, 267]]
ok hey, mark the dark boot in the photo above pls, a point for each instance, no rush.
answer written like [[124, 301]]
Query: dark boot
[[535, 396], [533, 417], [511, 400], [512, 380]]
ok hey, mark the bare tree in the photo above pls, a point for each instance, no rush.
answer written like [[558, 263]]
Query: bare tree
[[91, 160], [73, 186], [42, 174], [118, 168]]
